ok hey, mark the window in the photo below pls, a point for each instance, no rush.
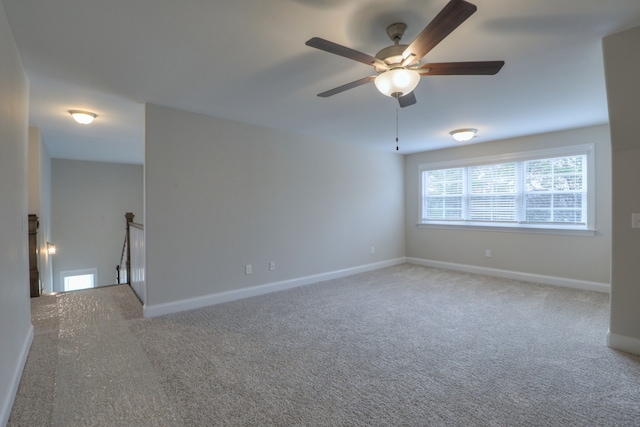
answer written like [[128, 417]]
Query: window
[[547, 189], [74, 280]]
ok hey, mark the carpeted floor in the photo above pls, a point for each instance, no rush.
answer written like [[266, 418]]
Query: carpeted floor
[[401, 346]]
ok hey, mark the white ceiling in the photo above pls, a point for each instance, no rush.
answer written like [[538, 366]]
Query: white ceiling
[[246, 60]]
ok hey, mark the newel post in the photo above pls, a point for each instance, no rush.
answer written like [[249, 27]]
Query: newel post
[[129, 216]]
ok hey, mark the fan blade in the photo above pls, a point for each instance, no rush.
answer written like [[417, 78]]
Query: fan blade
[[349, 53], [449, 18], [479, 68], [406, 100], [347, 86]]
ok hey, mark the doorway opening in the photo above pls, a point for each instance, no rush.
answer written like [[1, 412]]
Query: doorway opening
[[75, 280]]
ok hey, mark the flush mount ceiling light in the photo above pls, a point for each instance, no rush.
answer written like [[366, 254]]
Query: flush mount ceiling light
[[82, 117], [463, 135], [397, 82]]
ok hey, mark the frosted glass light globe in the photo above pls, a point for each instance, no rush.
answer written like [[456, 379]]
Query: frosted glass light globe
[[397, 82]]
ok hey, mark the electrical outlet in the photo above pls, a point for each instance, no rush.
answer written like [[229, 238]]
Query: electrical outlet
[[248, 269], [635, 220], [373, 249], [487, 253], [272, 266]]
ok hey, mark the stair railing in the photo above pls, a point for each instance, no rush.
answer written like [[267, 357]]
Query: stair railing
[[136, 249], [131, 269], [123, 269]]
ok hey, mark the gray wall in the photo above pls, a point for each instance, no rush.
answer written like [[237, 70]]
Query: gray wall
[[16, 331], [570, 257], [89, 200], [623, 93], [40, 202], [220, 195]]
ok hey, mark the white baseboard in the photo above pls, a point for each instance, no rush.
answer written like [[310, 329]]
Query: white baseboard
[[528, 277], [236, 294], [5, 409], [623, 343]]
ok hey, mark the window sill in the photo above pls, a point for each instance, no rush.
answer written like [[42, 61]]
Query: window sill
[[516, 228]]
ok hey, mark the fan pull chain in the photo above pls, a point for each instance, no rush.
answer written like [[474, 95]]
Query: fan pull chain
[[396, 128]]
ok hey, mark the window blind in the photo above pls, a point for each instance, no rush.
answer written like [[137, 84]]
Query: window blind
[[541, 190]]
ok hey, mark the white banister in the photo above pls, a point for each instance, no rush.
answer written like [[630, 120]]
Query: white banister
[[137, 266]]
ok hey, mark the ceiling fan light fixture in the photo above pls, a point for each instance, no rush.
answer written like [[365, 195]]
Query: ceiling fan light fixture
[[397, 81], [82, 117], [463, 135]]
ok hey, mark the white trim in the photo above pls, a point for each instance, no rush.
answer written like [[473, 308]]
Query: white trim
[[515, 228], [568, 150], [5, 409], [623, 343], [236, 294], [528, 277]]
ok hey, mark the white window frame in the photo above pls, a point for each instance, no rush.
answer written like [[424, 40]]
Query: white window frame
[[587, 229], [82, 272]]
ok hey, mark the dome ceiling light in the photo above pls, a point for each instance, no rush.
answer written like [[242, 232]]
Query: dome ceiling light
[[82, 117], [463, 135]]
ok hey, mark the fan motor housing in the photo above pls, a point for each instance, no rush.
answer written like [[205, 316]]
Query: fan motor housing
[[392, 54]]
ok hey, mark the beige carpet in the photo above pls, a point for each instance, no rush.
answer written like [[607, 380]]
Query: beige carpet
[[405, 345]]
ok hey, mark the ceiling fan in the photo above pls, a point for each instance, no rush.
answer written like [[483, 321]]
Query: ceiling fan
[[398, 66]]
